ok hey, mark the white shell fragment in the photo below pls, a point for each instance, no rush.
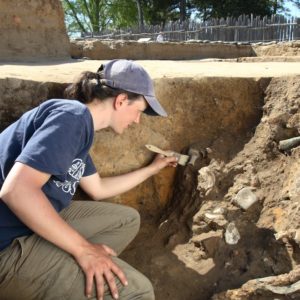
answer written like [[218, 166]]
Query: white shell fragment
[[212, 216], [206, 180], [245, 198], [232, 235]]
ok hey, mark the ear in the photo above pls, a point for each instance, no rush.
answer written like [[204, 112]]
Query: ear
[[120, 101]]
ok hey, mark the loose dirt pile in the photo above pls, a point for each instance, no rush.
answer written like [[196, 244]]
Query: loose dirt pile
[[205, 244]]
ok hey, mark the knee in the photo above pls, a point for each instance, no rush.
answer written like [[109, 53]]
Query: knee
[[146, 289], [141, 287], [133, 218]]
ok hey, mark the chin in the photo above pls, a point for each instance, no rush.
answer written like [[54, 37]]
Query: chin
[[118, 130]]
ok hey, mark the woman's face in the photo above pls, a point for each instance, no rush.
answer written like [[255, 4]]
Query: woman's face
[[127, 113]]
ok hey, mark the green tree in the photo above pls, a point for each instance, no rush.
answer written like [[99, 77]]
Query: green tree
[[97, 15], [85, 15], [121, 14], [140, 13], [158, 12], [218, 9]]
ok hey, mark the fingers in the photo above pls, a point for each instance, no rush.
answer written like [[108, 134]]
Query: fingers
[[166, 159], [99, 286], [161, 161], [173, 164], [110, 280], [111, 284], [104, 269], [171, 161], [98, 266], [120, 274], [89, 284]]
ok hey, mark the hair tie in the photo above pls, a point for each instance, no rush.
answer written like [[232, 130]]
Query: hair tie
[[101, 68], [98, 78]]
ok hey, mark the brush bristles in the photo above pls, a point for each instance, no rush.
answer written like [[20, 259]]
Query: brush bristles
[[183, 159]]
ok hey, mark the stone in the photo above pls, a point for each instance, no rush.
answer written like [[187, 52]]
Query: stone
[[206, 180], [232, 235], [245, 198]]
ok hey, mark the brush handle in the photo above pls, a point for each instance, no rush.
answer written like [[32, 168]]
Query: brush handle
[[157, 150]]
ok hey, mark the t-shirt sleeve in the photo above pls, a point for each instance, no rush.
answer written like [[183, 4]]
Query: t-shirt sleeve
[[90, 168], [55, 144]]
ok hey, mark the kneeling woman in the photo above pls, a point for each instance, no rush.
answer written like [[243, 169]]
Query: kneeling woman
[[50, 246]]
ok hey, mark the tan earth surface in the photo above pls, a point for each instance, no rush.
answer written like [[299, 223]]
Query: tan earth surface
[[241, 111], [64, 71], [199, 238]]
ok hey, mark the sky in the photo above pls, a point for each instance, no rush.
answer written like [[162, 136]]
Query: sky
[[294, 10]]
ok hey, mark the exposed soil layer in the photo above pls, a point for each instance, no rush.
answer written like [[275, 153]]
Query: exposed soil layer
[[196, 242], [187, 254], [110, 49], [225, 228], [32, 30]]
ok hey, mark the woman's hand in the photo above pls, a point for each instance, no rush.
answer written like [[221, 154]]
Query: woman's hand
[[160, 162], [95, 261]]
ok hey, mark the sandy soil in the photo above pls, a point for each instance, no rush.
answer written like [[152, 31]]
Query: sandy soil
[[184, 251], [188, 255], [64, 71]]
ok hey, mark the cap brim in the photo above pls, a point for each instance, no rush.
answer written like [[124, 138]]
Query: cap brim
[[154, 108]]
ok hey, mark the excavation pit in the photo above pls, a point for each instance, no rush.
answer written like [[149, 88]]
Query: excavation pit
[[240, 111]]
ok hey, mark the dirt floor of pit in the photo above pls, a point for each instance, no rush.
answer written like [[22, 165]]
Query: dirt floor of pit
[[183, 251]]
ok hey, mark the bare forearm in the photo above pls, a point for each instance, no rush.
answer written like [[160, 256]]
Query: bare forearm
[[35, 211], [112, 186], [100, 188]]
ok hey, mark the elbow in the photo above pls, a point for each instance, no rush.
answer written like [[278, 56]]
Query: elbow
[[87, 194], [6, 194], [12, 191], [96, 197]]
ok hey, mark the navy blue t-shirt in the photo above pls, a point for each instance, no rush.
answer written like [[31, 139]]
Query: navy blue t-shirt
[[54, 138]]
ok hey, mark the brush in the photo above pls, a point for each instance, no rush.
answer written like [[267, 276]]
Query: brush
[[182, 159]]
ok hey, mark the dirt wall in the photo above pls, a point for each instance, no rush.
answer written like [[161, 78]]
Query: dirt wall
[[278, 49], [208, 244], [101, 49], [206, 108], [110, 49], [183, 243], [32, 30]]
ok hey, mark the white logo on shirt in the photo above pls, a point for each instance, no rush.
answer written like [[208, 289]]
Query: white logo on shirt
[[75, 171]]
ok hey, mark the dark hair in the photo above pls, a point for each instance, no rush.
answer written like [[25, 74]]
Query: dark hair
[[88, 86]]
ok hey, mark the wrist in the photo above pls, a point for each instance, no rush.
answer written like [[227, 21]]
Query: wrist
[[80, 248], [151, 170]]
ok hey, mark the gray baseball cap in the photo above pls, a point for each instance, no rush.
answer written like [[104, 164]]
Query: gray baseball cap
[[129, 76]]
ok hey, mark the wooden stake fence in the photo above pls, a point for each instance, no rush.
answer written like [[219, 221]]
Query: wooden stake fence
[[242, 29]]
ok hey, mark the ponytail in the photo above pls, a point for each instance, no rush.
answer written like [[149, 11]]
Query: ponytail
[[89, 86]]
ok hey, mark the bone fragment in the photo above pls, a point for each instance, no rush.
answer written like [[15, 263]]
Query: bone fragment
[[289, 143]]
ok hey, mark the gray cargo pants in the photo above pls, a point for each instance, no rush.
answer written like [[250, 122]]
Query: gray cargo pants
[[33, 269]]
